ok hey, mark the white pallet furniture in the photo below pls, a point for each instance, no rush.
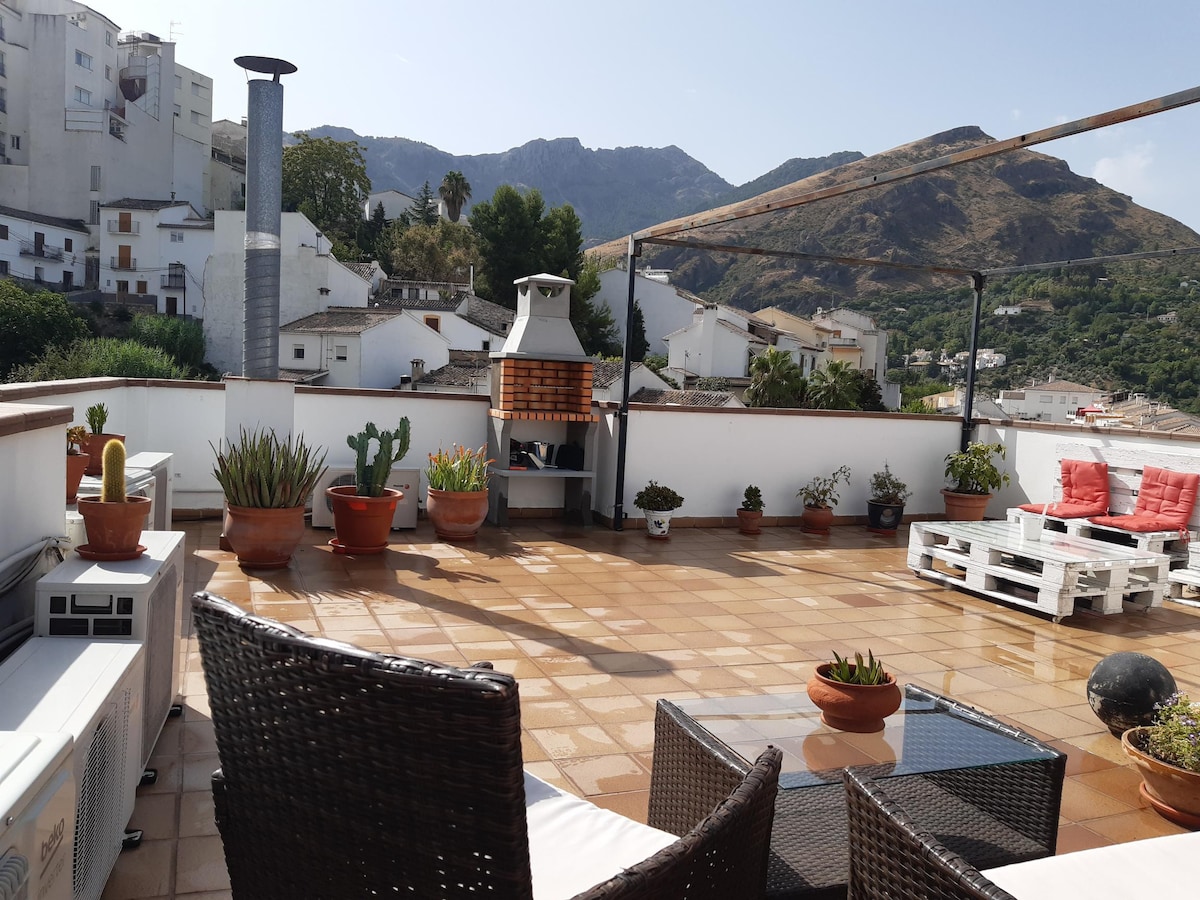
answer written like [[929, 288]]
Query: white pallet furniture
[[1188, 576], [1050, 574]]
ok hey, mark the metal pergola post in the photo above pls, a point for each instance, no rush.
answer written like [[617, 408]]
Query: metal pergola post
[[635, 250], [968, 425]]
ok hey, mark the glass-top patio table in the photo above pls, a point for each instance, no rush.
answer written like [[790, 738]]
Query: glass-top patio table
[[988, 791]]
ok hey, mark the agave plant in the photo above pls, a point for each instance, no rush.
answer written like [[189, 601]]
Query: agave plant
[[263, 472], [858, 672]]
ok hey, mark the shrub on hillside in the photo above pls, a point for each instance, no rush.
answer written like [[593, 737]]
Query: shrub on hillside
[[182, 339], [99, 357], [32, 323]]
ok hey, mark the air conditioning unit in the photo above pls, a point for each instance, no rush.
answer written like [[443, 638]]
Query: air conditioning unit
[[37, 816], [134, 600], [92, 691], [406, 480]]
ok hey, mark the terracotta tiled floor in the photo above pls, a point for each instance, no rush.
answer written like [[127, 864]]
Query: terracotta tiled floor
[[598, 625]]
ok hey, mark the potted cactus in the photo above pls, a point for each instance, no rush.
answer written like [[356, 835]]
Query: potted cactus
[[363, 511], [113, 521], [96, 439]]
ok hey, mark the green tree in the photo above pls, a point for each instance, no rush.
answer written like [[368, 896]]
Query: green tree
[[181, 339], [424, 210], [32, 323], [327, 181], [561, 240], [834, 387], [443, 251], [775, 380], [455, 190], [507, 227], [594, 325], [870, 397], [638, 346]]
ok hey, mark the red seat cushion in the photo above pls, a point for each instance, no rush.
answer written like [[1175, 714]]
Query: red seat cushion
[[1066, 510], [1084, 491], [1135, 523], [1167, 495]]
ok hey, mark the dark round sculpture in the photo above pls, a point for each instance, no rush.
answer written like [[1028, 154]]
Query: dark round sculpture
[[1124, 687]]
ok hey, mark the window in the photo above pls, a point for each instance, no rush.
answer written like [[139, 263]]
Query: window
[[1, 62], [15, 143], [94, 212], [83, 60], [196, 90], [39, 274], [178, 82], [3, 232], [178, 110], [108, 38], [95, 185], [3, 266], [434, 322], [197, 118], [1063, 399], [68, 244], [108, 73], [176, 237], [3, 100], [1045, 398], [141, 287], [122, 287], [68, 279], [83, 96], [298, 351], [340, 351]]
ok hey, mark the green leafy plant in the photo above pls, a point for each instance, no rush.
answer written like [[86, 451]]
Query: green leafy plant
[[112, 485], [822, 491], [97, 417], [371, 478], [752, 499], [263, 472], [657, 498], [76, 435], [462, 470], [972, 471], [1174, 737], [887, 488], [858, 672]]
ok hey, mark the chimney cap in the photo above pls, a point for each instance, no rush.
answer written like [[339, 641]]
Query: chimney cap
[[544, 278]]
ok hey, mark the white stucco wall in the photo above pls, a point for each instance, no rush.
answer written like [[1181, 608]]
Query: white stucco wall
[[20, 236], [663, 309]]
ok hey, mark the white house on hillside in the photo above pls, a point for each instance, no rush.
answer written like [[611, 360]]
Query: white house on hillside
[[608, 380], [1051, 401], [715, 344], [227, 167], [665, 308], [155, 250], [43, 249], [467, 321]]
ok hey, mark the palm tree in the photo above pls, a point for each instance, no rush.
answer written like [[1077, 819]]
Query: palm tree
[[775, 380], [834, 387], [456, 191]]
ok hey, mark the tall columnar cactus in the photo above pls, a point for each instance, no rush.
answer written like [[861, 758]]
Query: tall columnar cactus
[[97, 417], [371, 478], [112, 488]]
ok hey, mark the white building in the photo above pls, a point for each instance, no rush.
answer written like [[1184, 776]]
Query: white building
[[665, 309], [42, 249], [467, 321], [608, 380], [395, 204], [716, 344], [856, 334], [227, 167], [1052, 401], [155, 250]]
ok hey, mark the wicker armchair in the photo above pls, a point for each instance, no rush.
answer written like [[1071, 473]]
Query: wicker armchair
[[347, 774], [892, 858]]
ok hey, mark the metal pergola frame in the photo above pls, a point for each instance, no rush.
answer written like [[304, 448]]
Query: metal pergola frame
[[660, 235]]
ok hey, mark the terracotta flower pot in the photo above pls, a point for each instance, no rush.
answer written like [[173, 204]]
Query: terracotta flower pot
[[113, 529], [456, 515], [965, 507], [363, 524], [1173, 792], [816, 519], [264, 538], [76, 468], [93, 446], [748, 521], [853, 707]]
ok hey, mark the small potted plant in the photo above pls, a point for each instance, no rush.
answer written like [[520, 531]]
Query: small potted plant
[[94, 443], [971, 476], [750, 512], [885, 507], [854, 696], [363, 511], [113, 521], [77, 460], [1167, 756], [457, 498], [657, 502], [266, 483], [820, 497]]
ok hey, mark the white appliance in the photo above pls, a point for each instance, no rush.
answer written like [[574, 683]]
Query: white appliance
[[92, 691], [133, 600], [37, 816], [160, 466], [407, 481]]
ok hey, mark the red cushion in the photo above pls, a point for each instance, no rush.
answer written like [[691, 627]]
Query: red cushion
[[1085, 482], [1135, 523], [1067, 510], [1166, 495]]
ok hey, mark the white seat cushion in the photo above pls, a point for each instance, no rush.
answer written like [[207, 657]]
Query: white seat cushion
[[575, 845], [1155, 867]]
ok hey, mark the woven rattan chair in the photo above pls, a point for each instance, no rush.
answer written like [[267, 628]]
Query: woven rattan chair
[[892, 858], [348, 774]]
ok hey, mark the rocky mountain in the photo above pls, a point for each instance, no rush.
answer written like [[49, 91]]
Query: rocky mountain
[[1016, 208]]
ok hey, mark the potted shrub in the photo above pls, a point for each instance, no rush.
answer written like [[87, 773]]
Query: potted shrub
[[854, 696], [94, 443], [820, 497], [266, 482], [657, 502], [971, 476], [77, 460], [1167, 756], [113, 521], [750, 512], [457, 498], [885, 507], [363, 511]]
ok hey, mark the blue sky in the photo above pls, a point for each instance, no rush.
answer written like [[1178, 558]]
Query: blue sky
[[741, 87]]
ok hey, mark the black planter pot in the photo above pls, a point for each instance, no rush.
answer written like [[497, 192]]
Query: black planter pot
[[884, 518]]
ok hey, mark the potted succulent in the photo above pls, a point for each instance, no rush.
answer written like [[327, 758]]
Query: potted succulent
[[885, 507], [457, 498], [113, 521], [854, 696], [363, 511], [1167, 756], [266, 482], [750, 512], [95, 441], [971, 476], [657, 502], [77, 460], [820, 497]]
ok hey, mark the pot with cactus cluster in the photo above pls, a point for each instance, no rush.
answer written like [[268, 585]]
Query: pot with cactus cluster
[[363, 511], [113, 521], [97, 438]]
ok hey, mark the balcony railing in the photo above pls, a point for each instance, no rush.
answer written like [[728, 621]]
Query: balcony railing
[[125, 264], [45, 251], [116, 227], [172, 281]]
